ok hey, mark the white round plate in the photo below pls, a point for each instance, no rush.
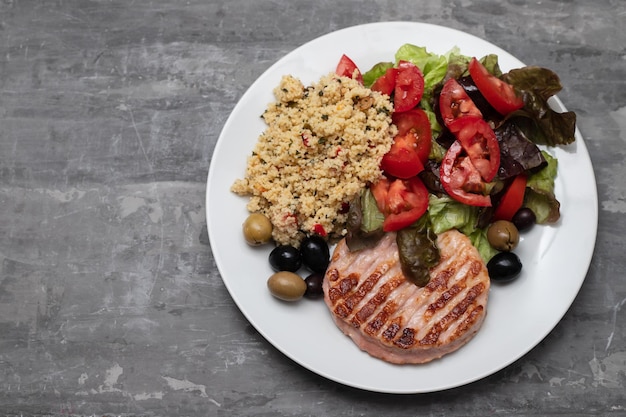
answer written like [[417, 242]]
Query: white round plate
[[555, 258]]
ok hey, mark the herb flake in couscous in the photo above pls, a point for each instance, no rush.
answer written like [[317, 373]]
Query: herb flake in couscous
[[323, 144]]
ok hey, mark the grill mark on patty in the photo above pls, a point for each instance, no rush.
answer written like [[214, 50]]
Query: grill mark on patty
[[392, 329], [468, 322], [377, 323], [407, 339], [343, 287], [443, 300], [457, 311], [439, 281], [475, 268], [378, 299], [363, 289], [332, 274]]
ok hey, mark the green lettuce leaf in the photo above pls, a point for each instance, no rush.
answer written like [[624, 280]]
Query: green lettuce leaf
[[480, 242], [446, 213], [539, 196], [365, 221], [375, 72], [490, 62], [457, 63], [373, 218]]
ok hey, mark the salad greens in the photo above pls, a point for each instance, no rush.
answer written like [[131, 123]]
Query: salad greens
[[539, 196], [518, 135], [433, 66], [517, 153], [537, 119], [446, 214], [417, 248], [375, 72], [365, 222]]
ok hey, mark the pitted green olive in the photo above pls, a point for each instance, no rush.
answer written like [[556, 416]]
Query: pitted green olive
[[503, 235], [286, 286], [257, 229]]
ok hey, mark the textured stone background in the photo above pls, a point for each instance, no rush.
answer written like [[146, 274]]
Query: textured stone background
[[110, 301]]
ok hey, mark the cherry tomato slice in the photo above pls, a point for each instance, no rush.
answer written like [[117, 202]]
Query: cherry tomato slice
[[481, 144], [454, 102], [461, 180], [386, 82], [499, 94], [511, 200], [402, 201], [346, 68], [409, 87]]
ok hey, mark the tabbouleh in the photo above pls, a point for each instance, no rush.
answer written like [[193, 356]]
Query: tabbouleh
[[323, 144]]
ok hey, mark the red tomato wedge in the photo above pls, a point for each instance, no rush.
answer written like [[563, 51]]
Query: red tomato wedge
[[461, 179], [402, 160], [346, 68], [411, 146], [386, 82], [409, 87], [415, 122], [402, 202], [511, 200], [454, 102], [499, 94], [480, 143]]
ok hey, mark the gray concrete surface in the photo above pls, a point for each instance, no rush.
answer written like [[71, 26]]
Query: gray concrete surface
[[110, 300]]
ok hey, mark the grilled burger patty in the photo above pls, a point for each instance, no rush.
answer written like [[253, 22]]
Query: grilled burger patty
[[392, 319]]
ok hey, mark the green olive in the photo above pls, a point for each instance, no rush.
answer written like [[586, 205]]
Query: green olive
[[257, 229], [286, 285], [503, 235]]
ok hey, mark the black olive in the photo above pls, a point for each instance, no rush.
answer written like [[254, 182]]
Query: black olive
[[315, 253], [314, 285], [285, 258], [524, 219], [504, 267]]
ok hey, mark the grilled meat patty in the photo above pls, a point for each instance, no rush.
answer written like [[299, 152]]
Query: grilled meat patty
[[392, 319]]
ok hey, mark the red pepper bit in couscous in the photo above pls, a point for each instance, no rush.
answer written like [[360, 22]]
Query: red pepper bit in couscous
[[323, 144]]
